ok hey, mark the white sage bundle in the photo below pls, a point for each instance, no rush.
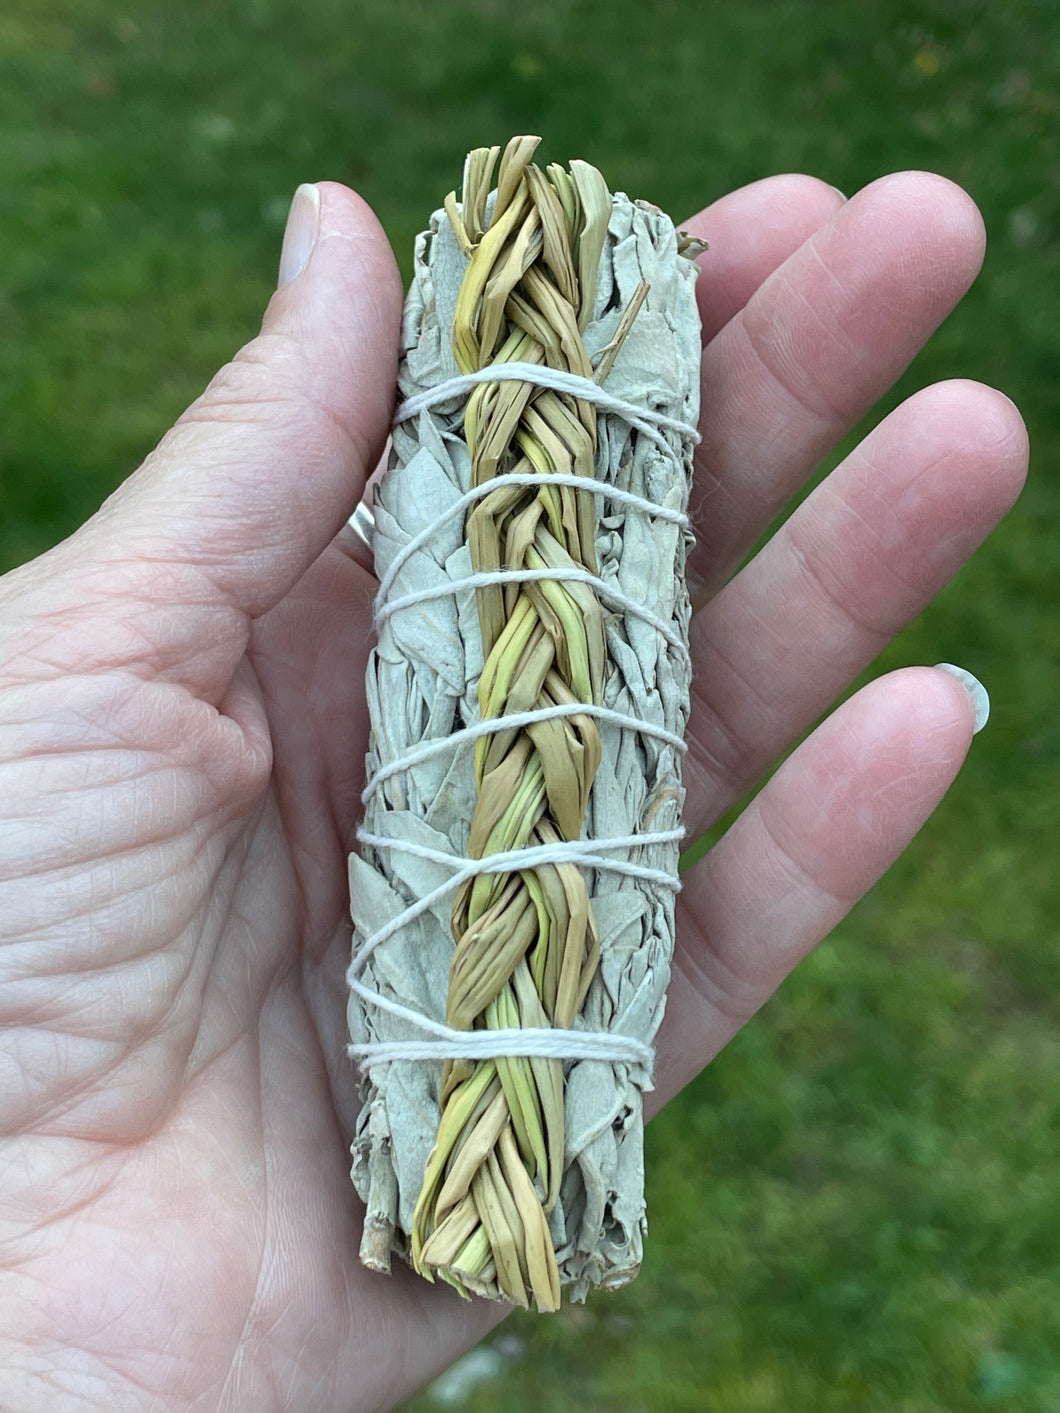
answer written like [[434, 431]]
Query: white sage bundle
[[513, 902]]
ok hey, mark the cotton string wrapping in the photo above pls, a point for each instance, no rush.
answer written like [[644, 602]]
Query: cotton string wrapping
[[446, 1043], [553, 1043], [522, 478], [427, 749], [644, 419]]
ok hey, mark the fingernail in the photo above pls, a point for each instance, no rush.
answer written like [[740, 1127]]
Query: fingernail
[[974, 688], [300, 235]]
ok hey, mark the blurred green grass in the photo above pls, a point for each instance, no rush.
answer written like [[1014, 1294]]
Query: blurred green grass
[[856, 1207]]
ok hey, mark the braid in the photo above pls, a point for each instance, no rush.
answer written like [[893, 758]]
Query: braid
[[526, 944]]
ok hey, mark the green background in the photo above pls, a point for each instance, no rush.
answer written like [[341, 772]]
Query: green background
[[857, 1206]]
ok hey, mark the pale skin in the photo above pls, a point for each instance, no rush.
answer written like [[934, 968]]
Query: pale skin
[[182, 741]]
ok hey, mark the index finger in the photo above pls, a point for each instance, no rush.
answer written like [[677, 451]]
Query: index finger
[[749, 232], [819, 342]]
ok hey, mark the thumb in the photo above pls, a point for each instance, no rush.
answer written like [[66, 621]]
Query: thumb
[[261, 472]]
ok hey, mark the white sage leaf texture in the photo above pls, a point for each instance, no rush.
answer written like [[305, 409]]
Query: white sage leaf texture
[[422, 681]]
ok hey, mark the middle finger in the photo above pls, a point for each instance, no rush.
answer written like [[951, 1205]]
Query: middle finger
[[857, 560]]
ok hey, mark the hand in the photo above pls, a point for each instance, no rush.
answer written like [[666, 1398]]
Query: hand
[[182, 737]]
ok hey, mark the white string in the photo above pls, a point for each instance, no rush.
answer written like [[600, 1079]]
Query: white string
[[575, 851], [485, 578], [522, 478], [552, 1043], [645, 419], [515, 719]]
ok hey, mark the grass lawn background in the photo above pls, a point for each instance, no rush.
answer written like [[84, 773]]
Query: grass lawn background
[[856, 1207]]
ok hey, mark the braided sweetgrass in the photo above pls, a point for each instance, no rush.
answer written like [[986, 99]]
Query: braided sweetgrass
[[526, 943], [529, 1178]]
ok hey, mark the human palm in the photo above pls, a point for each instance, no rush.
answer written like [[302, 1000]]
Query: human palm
[[182, 737]]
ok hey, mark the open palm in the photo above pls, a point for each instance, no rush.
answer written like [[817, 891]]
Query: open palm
[[182, 738]]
